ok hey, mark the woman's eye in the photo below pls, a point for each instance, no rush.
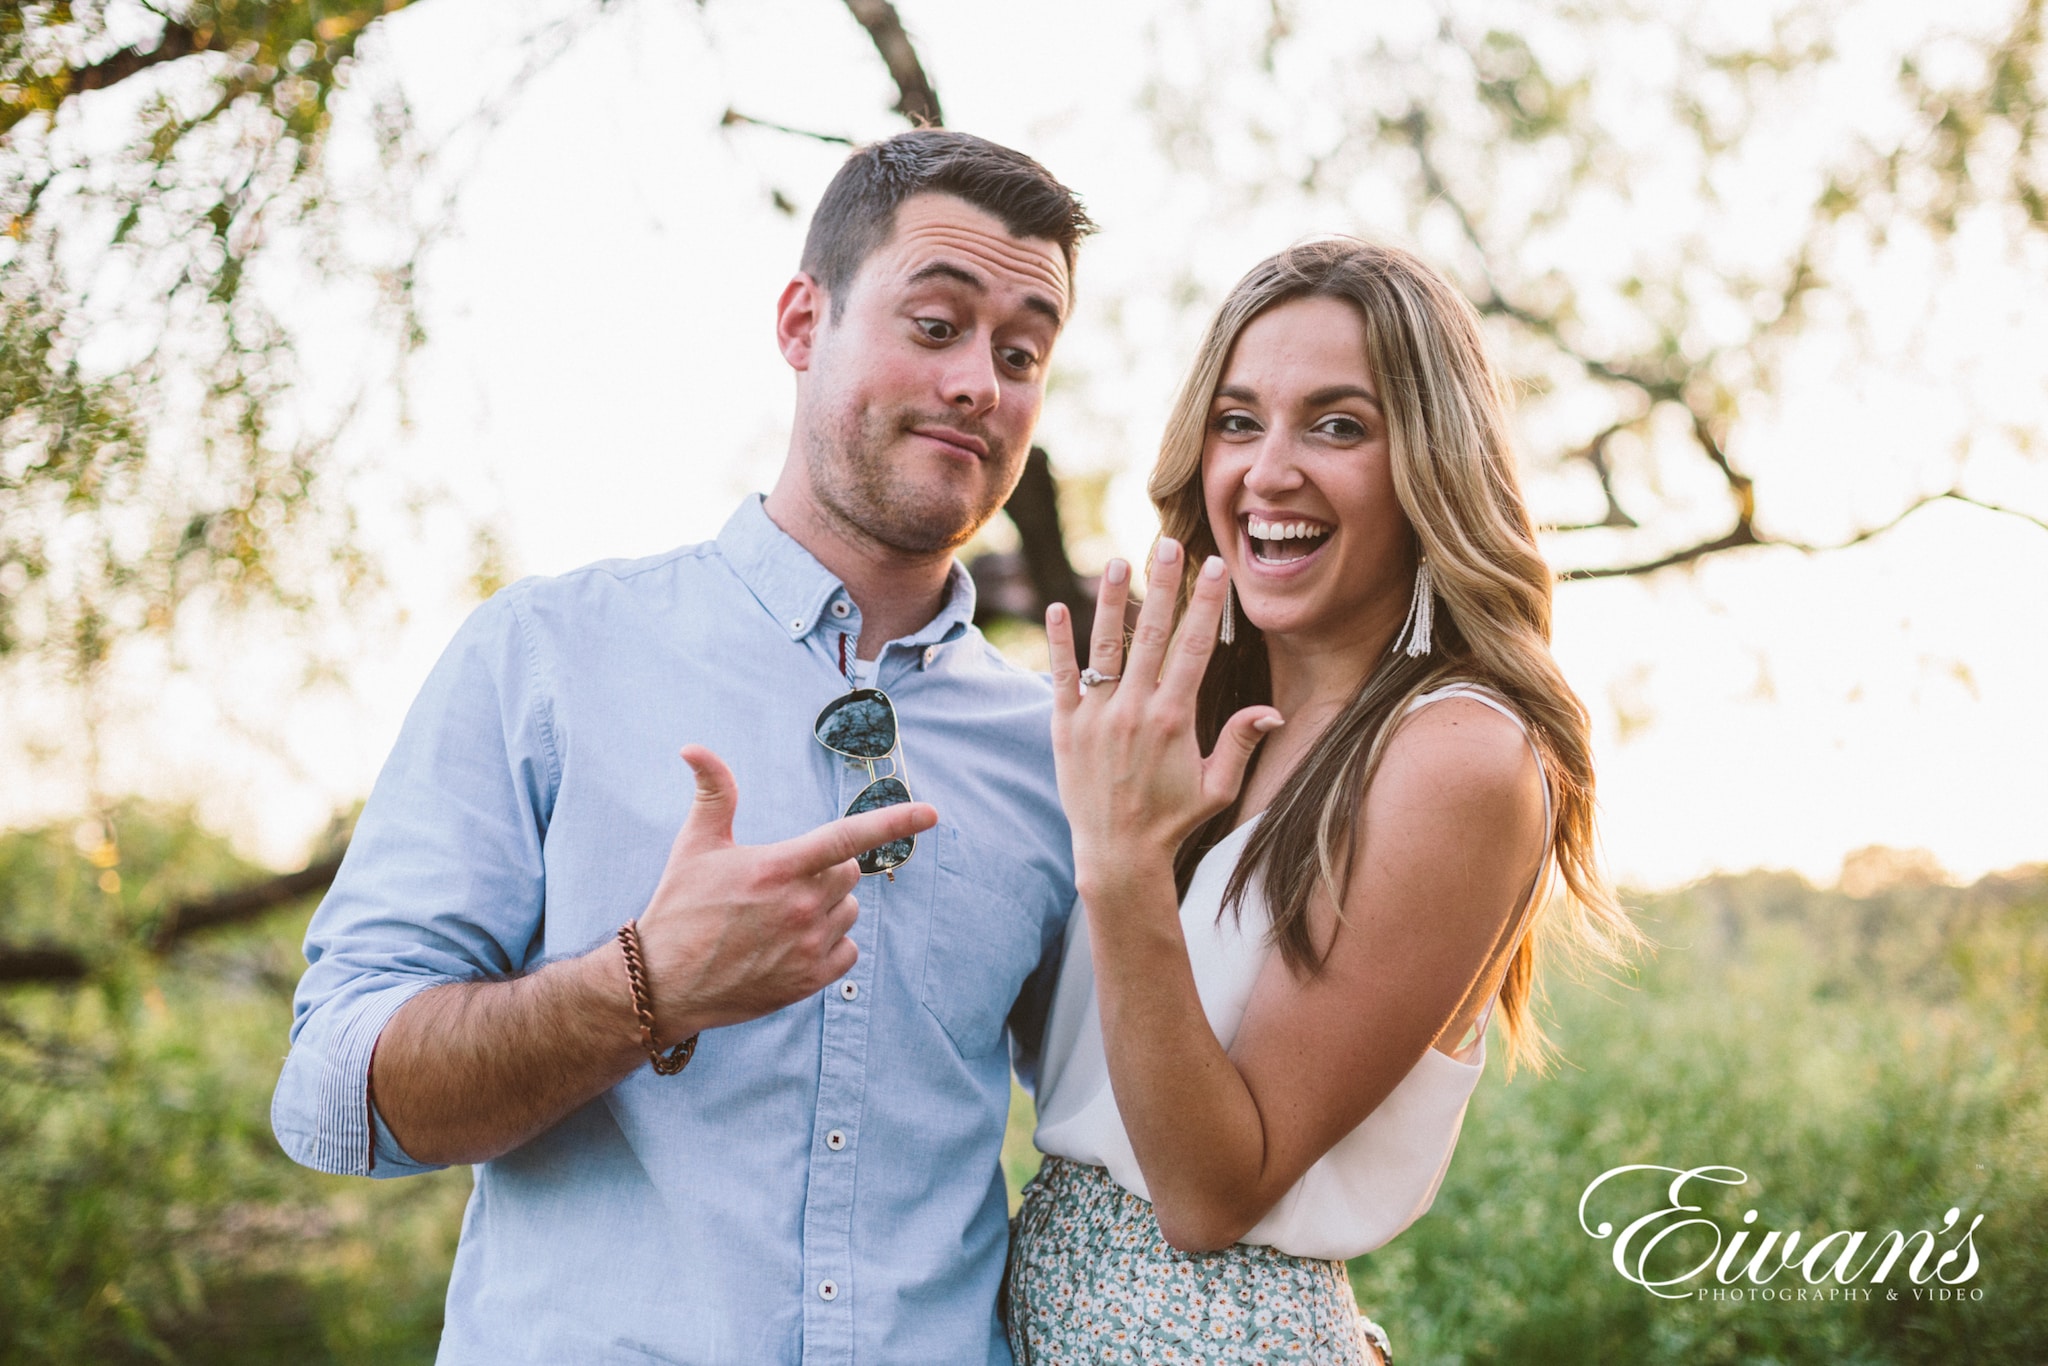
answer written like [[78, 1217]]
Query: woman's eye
[[1343, 428], [937, 329], [1235, 424]]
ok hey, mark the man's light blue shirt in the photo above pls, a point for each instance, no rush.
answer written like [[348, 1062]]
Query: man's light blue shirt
[[821, 1184]]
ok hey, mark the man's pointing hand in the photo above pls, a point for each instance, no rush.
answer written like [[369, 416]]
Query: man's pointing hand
[[737, 931]]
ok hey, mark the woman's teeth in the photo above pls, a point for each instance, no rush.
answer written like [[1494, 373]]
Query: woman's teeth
[[1278, 542]]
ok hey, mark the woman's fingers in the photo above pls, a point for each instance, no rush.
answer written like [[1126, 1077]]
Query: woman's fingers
[[1059, 641], [1106, 647], [1196, 640], [1223, 770], [1155, 618]]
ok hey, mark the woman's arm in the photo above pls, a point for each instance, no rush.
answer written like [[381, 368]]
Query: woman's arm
[[1451, 838]]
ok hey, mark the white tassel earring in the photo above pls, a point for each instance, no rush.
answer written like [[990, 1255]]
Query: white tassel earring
[[1421, 613], [1228, 635]]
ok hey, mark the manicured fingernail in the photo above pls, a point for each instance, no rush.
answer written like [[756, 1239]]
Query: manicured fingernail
[[1117, 571], [1212, 568], [1268, 723], [1057, 614], [1169, 550]]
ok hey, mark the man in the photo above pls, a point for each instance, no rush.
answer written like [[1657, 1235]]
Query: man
[[820, 1182]]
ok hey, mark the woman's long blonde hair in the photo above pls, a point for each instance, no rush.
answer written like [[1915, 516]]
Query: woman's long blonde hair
[[1454, 474]]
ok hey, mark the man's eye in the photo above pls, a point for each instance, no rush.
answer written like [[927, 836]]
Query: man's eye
[[937, 329], [1017, 358]]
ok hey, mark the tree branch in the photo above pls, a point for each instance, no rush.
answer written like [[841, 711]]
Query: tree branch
[[733, 116], [179, 40], [47, 964], [1743, 533], [54, 965], [1594, 453], [915, 98], [243, 903], [1946, 495]]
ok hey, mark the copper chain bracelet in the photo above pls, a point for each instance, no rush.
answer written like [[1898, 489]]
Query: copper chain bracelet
[[677, 1058]]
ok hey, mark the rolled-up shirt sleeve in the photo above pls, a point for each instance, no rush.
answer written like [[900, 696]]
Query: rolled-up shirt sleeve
[[443, 882]]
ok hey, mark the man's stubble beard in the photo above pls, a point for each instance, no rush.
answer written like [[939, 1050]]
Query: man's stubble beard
[[853, 480]]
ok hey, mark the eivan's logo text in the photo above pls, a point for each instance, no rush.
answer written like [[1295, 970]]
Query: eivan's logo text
[[1643, 1255]]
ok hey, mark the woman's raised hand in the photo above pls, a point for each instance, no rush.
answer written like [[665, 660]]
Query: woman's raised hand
[[1132, 775]]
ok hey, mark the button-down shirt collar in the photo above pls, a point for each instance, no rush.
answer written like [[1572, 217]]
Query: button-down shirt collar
[[798, 591]]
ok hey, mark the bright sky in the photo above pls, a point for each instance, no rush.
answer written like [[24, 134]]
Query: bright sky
[[601, 379]]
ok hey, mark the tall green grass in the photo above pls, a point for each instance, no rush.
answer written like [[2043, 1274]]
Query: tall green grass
[[1868, 1063]]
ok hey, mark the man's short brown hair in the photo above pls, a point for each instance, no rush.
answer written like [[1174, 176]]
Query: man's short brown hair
[[858, 211]]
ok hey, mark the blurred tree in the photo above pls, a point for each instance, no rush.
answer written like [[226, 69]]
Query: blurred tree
[[152, 160], [1654, 206]]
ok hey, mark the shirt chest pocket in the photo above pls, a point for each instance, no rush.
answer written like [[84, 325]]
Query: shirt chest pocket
[[985, 939]]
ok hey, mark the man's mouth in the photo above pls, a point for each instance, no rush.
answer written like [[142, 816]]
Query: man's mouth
[[1283, 542], [952, 436]]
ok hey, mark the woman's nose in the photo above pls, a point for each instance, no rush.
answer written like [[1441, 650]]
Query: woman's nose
[[1275, 466]]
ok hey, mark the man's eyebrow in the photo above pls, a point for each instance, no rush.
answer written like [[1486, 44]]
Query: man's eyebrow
[[1317, 399], [946, 270], [959, 275]]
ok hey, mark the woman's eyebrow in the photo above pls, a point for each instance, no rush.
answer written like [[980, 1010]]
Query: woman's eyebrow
[[1330, 394], [1337, 391]]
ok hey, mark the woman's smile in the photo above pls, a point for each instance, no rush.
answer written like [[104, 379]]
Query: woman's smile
[[1278, 539]]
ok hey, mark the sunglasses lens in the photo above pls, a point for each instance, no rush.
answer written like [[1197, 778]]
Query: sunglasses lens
[[861, 724], [883, 792]]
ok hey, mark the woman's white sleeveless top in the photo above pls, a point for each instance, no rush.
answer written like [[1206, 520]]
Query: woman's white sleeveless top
[[1377, 1180]]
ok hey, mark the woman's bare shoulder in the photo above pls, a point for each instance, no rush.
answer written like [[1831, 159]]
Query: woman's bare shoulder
[[1460, 751]]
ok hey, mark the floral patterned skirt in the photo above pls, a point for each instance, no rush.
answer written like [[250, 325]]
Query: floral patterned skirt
[[1091, 1279]]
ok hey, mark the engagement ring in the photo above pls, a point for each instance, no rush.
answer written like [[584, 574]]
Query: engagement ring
[[1090, 677]]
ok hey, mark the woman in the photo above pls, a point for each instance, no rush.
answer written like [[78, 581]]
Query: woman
[[1252, 1070]]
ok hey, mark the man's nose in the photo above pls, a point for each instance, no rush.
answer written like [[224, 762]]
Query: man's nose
[[971, 386]]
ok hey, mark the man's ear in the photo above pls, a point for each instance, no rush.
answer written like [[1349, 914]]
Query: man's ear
[[799, 316]]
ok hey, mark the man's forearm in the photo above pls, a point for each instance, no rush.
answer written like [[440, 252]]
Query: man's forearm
[[468, 1071], [465, 1072]]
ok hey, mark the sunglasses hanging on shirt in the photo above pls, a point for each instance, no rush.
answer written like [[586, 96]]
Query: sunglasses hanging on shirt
[[862, 726]]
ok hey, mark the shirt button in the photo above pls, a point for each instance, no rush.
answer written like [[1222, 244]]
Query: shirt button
[[797, 624], [931, 652], [839, 608], [849, 990], [835, 1140], [828, 1290]]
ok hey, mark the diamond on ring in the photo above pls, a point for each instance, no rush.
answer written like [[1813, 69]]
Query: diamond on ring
[[1091, 676]]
